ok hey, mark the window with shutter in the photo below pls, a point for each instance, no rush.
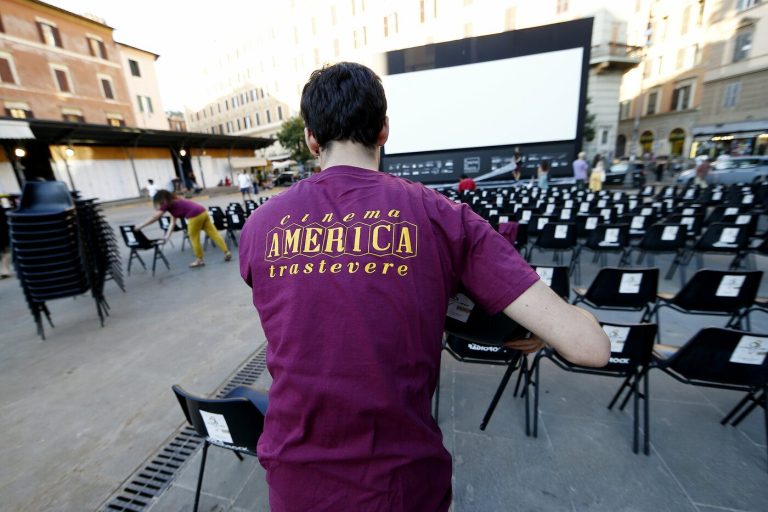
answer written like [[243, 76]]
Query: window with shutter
[[62, 80], [107, 87], [6, 73]]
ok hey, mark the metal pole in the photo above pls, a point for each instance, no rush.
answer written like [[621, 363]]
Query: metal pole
[[133, 166]]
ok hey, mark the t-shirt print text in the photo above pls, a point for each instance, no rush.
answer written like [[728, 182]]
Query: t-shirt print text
[[372, 235]]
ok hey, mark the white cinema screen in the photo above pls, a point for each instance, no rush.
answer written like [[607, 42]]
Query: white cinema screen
[[520, 100]]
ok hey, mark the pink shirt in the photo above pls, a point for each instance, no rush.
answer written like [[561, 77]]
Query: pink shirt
[[351, 271], [183, 208]]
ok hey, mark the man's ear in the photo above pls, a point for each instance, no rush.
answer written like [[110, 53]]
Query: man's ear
[[312, 144], [383, 133]]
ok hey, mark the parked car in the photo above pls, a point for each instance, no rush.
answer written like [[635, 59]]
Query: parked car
[[738, 169], [617, 174]]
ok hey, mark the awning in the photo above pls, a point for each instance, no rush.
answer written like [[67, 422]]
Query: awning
[[15, 130], [245, 162], [737, 127], [283, 164]]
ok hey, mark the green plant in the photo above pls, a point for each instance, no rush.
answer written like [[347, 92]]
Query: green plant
[[291, 137]]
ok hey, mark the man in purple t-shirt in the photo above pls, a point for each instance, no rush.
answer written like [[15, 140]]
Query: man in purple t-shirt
[[580, 168], [351, 271]]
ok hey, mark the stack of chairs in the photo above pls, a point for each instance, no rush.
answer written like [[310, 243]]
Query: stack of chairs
[[61, 249]]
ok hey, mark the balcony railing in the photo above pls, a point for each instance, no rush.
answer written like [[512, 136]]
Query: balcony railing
[[616, 56]]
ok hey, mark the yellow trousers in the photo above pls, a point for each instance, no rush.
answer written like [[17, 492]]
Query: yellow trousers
[[203, 222]]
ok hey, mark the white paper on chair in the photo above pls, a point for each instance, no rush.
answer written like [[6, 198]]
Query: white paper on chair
[[689, 193], [526, 215], [503, 219], [688, 221], [632, 204], [584, 207], [630, 282], [217, 427], [549, 210], [638, 222], [670, 232], [235, 218], [617, 196], [732, 211], [749, 199], [460, 307], [602, 203], [716, 196], [526, 200], [591, 223], [729, 235], [730, 286], [743, 219], [493, 212], [605, 213], [499, 200], [611, 236], [131, 238], [568, 203], [545, 273], [618, 335], [590, 196], [485, 193], [561, 232], [750, 350], [565, 214], [619, 208], [646, 211], [688, 211], [542, 222]]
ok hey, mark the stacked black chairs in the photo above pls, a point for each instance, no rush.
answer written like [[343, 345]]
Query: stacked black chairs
[[233, 422], [720, 358], [137, 241], [61, 249], [473, 336], [622, 289], [631, 355], [714, 293]]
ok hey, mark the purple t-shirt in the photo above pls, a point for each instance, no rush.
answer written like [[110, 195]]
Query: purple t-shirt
[[183, 208], [351, 271], [580, 168]]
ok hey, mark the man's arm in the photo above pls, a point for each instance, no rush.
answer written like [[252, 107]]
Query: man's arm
[[573, 332]]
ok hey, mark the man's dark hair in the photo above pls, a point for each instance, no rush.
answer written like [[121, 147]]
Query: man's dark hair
[[151, 182], [544, 165], [345, 101]]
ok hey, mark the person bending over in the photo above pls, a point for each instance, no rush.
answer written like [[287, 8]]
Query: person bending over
[[197, 220], [351, 270]]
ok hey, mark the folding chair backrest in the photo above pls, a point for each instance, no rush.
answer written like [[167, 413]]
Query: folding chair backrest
[[466, 320], [585, 224], [537, 223], [616, 287], [719, 290], [134, 239], [664, 237], [724, 237], [609, 237], [235, 220], [631, 345], [231, 422], [557, 278], [217, 216], [723, 356], [473, 352], [557, 235], [45, 197]]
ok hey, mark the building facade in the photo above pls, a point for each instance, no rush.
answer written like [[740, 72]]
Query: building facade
[[58, 65], [302, 35], [700, 87], [144, 92], [176, 121]]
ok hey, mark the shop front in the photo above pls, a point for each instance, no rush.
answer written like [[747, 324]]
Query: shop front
[[734, 139]]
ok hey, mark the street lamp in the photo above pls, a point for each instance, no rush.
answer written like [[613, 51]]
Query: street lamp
[[69, 152], [183, 152], [20, 152]]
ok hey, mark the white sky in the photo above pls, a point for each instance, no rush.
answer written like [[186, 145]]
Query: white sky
[[181, 31]]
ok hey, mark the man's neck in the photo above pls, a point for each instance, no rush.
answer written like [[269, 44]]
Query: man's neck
[[349, 153]]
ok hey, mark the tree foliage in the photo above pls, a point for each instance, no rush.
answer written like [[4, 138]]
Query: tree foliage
[[589, 123], [291, 137]]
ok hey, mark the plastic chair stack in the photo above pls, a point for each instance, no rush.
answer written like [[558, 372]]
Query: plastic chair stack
[[60, 249]]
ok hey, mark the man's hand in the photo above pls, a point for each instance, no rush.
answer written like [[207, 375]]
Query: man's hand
[[526, 346]]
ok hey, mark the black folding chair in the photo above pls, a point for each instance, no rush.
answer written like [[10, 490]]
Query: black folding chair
[[137, 241], [622, 289], [234, 422], [720, 358], [471, 335], [714, 292], [556, 277], [631, 349], [558, 237], [661, 239], [165, 222], [608, 238]]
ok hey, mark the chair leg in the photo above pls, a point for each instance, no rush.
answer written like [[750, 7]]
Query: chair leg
[[646, 412], [240, 457], [635, 422], [749, 396], [523, 371], [200, 476], [619, 391], [765, 414], [632, 390], [499, 391], [536, 365], [759, 400]]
